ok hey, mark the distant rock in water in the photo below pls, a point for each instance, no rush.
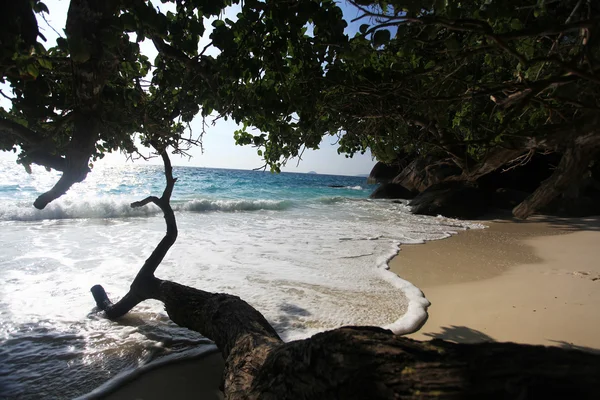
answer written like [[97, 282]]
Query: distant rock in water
[[336, 186], [453, 199], [312, 172], [392, 191]]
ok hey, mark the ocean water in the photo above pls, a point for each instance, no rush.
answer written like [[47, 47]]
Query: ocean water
[[309, 256]]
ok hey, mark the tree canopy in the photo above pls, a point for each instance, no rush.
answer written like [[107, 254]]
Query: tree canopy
[[481, 82], [91, 92], [465, 77]]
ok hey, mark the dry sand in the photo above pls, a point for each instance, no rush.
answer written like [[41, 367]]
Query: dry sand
[[534, 282]]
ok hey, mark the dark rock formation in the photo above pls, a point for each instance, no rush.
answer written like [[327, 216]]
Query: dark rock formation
[[383, 173], [453, 199], [424, 172], [507, 199], [392, 191], [524, 178]]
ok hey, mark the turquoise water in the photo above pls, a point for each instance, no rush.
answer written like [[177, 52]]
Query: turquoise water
[[198, 189], [309, 256]]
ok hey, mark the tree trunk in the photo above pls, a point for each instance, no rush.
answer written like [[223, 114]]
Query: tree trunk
[[350, 362], [87, 20], [494, 160], [570, 171]]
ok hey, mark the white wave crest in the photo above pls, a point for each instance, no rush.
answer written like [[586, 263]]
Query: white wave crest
[[108, 208], [234, 205], [331, 200], [68, 209]]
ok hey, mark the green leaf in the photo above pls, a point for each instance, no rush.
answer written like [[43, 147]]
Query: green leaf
[[381, 37], [128, 22], [363, 28], [33, 70], [44, 63]]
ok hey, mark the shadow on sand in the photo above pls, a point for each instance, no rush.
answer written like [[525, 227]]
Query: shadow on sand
[[566, 224], [463, 334]]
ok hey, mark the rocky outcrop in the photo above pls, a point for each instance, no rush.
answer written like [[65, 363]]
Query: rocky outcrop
[[524, 178], [445, 188], [392, 191], [507, 199], [383, 173], [454, 199], [424, 172], [582, 200]]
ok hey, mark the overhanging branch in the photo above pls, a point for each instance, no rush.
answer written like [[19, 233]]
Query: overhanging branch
[[8, 127]]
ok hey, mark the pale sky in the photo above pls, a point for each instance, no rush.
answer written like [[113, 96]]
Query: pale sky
[[219, 146]]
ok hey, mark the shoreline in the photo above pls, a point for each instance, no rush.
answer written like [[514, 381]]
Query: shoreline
[[492, 284], [533, 282]]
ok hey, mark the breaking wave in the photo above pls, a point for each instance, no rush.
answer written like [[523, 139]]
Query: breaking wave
[[235, 205], [105, 208]]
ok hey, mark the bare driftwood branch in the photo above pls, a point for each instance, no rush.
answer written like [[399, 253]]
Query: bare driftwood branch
[[145, 285]]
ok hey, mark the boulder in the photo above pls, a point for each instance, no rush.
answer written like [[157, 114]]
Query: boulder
[[455, 199], [524, 178], [392, 191], [424, 172], [383, 173]]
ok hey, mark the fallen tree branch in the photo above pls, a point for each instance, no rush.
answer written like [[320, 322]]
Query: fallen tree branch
[[145, 285], [349, 362]]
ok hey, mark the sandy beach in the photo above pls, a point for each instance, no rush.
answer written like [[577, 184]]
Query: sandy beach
[[535, 282]]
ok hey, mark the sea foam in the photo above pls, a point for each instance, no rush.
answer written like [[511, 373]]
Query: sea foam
[[109, 208], [308, 256]]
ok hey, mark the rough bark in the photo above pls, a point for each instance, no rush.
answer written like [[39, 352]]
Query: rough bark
[[349, 362], [91, 65], [494, 160], [145, 286], [370, 362]]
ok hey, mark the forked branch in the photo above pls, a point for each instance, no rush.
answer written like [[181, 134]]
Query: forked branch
[[145, 285]]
